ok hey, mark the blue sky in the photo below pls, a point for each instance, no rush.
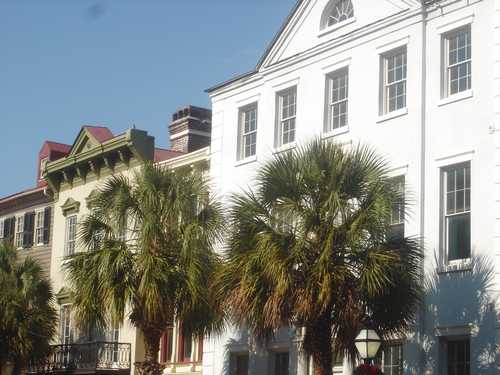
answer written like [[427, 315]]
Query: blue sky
[[65, 63]]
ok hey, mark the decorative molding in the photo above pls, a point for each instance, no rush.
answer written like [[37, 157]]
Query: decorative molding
[[455, 24], [469, 329], [70, 207], [90, 198], [386, 47]]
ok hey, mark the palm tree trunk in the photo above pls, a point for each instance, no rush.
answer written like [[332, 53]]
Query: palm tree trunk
[[321, 345], [150, 366]]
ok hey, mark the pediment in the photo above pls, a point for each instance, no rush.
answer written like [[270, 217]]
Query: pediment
[[83, 142], [70, 206], [307, 25]]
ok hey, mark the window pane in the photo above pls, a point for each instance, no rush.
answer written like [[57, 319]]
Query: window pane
[[241, 364], [458, 357], [458, 236], [281, 363]]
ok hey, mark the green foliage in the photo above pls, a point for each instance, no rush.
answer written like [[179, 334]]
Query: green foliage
[[308, 248], [164, 267], [28, 318]]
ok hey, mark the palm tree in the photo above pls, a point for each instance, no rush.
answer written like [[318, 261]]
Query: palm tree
[[28, 318], [308, 248], [161, 270]]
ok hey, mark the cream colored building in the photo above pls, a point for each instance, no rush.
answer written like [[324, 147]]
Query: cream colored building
[[95, 155]]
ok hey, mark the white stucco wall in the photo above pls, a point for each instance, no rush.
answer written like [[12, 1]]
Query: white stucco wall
[[432, 134]]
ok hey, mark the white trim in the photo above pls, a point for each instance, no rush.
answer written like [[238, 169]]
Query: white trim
[[462, 157], [332, 28], [456, 330], [398, 171], [288, 84], [456, 97], [285, 147], [248, 160], [393, 114], [190, 158], [335, 132], [386, 47], [455, 24], [190, 131], [248, 100], [341, 64]]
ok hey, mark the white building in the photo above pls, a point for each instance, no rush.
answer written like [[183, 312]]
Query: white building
[[420, 82]]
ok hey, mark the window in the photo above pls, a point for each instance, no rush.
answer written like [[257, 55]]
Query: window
[[1, 228], [458, 357], [337, 96], [457, 209], [239, 363], [19, 231], [186, 346], [458, 61], [167, 347], [29, 229], [391, 359], [397, 219], [70, 235], [67, 334], [39, 225], [338, 360], [342, 11], [247, 138], [281, 366], [287, 110], [9, 225], [394, 80]]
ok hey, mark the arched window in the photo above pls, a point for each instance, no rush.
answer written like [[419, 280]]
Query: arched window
[[336, 12]]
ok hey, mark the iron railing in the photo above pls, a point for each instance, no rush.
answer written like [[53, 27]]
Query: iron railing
[[86, 357]]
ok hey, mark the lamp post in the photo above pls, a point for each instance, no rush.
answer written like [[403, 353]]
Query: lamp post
[[368, 342]]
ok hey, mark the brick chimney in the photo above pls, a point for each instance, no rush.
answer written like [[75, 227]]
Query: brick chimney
[[190, 129]]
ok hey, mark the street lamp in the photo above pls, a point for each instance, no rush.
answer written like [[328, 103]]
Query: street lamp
[[368, 341]]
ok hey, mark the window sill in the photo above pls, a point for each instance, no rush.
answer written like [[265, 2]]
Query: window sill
[[330, 29], [287, 147], [456, 266], [250, 159], [333, 133], [456, 97], [393, 114]]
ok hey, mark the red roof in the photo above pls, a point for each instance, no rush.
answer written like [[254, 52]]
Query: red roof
[[59, 147], [162, 154], [20, 194], [100, 133]]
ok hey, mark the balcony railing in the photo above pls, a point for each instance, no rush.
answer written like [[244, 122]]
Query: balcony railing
[[89, 357]]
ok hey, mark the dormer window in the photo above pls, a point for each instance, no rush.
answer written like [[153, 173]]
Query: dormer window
[[337, 12]]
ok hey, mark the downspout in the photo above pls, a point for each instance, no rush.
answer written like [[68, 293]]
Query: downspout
[[423, 177]]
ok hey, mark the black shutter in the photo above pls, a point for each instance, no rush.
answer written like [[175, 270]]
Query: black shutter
[[29, 226], [8, 228], [46, 225]]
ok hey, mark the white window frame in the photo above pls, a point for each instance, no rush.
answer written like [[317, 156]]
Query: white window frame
[[67, 334], [1, 228], [19, 238], [332, 104], [331, 21], [70, 237], [447, 216], [39, 227], [243, 135], [387, 84], [282, 120], [392, 370], [400, 182], [447, 67]]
